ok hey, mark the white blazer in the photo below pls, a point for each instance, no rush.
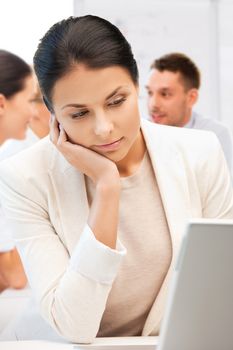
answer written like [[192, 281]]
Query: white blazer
[[71, 274]]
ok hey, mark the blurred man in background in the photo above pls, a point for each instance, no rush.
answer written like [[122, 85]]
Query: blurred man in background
[[173, 91]]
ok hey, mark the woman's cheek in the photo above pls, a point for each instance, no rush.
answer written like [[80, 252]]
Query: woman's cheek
[[73, 135]]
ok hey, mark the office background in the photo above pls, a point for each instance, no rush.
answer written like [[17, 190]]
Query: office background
[[202, 29]]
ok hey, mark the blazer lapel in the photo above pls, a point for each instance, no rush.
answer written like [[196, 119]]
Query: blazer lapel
[[172, 182]]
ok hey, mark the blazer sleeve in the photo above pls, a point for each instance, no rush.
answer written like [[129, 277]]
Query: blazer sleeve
[[71, 290], [214, 181], [6, 240]]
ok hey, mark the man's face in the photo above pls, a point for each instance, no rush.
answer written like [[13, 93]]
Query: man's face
[[169, 102]]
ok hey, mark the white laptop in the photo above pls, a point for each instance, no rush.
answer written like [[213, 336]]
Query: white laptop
[[199, 311]]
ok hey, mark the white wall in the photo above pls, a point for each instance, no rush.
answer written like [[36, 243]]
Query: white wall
[[24, 22], [226, 60]]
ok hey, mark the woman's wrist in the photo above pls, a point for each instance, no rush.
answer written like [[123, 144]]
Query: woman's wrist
[[109, 186]]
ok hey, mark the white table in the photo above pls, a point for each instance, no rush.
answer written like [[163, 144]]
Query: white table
[[121, 343], [12, 302]]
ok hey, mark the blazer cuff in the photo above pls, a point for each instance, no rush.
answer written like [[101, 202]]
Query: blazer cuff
[[95, 260], [6, 241]]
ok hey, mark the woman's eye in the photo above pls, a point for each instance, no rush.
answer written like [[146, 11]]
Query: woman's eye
[[79, 115], [117, 102]]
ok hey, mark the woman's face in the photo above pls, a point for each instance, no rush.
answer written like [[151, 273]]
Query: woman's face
[[98, 109], [18, 110]]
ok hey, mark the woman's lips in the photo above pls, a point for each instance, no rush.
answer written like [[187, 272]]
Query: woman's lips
[[112, 146]]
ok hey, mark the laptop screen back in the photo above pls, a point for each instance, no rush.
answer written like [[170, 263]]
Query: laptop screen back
[[199, 312]]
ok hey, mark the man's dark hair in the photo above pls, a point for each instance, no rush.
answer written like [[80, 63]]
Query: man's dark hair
[[178, 62]]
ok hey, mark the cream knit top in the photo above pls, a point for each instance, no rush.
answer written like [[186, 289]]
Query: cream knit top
[[143, 230]]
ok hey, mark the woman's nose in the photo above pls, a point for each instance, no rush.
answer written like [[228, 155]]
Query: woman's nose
[[103, 125]]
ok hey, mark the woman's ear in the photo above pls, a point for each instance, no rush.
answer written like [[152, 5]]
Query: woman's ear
[[2, 104]]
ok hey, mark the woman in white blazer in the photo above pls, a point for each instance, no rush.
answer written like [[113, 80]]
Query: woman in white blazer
[[99, 209]]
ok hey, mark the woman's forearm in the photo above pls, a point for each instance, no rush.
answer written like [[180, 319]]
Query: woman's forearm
[[103, 217]]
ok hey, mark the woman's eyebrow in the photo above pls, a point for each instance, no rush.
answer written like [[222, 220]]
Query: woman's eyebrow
[[78, 105], [114, 92]]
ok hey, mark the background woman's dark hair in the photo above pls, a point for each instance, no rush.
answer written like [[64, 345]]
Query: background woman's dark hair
[[90, 40], [13, 72]]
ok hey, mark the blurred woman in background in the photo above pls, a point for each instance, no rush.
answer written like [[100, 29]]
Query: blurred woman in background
[[17, 91]]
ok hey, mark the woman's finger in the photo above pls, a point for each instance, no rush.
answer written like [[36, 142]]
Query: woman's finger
[[54, 129], [62, 138]]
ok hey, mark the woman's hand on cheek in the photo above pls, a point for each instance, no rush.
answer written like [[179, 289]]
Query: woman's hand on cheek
[[99, 168], [54, 129]]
